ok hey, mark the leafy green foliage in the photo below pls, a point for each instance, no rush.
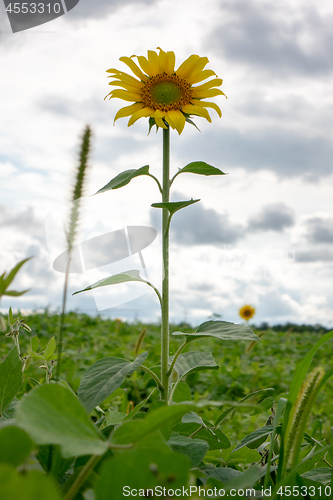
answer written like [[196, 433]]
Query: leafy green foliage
[[174, 206], [222, 330], [7, 278], [28, 486], [200, 168], [104, 377], [10, 378], [149, 465], [124, 178], [15, 446], [133, 275], [51, 414]]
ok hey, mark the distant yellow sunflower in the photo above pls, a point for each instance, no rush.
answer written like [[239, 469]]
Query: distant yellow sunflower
[[247, 312], [165, 95]]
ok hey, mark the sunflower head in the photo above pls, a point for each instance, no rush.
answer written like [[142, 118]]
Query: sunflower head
[[166, 96], [247, 312]]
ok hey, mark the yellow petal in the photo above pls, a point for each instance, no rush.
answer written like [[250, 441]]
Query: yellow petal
[[216, 82], [205, 104], [124, 77], [159, 122], [166, 62], [203, 94], [176, 119], [199, 77], [124, 85], [128, 110], [141, 113], [125, 95], [153, 60], [186, 67], [136, 70], [145, 65], [190, 109], [198, 66]]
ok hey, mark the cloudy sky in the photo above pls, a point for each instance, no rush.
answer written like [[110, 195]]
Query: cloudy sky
[[262, 235]]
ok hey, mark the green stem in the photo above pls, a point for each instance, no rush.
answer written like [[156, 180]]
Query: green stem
[[180, 349], [165, 261], [154, 376], [157, 182], [82, 477]]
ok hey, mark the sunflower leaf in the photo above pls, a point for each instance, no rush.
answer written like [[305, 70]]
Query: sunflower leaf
[[133, 275], [200, 168], [174, 206], [222, 330], [124, 178]]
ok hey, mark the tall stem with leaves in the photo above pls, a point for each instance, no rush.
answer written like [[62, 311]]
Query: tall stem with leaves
[[70, 235], [165, 259]]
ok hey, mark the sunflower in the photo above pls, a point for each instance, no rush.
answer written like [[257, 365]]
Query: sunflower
[[164, 95], [247, 312]]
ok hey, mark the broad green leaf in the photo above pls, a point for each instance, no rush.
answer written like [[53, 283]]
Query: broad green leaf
[[194, 449], [182, 393], [124, 178], [255, 439], [34, 342], [132, 275], [10, 378], [50, 349], [174, 206], [201, 168], [222, 330], [322, 475], [49, 457], [136, 430], [223, 474], [51, 414], [104, 377], [6, 279], [148, 465], [15, 446], [215, 438], [31, 485], [114, 417], [191, 417], [247, 479], [194, 361]]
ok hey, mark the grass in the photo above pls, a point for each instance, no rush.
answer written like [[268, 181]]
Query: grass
[[271, 363]]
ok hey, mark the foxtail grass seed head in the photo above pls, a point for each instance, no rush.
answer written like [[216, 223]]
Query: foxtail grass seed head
[[78, 186], [166, 96], [299, 415]]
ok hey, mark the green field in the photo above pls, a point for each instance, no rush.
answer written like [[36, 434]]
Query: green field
[[270, 364]]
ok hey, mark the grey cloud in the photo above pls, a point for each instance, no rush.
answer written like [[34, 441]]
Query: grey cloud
[[274, 217], [319, 229], [314, 255], [98, 9], [25, 221], [272, 39], [196, 225], [287, 154]]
